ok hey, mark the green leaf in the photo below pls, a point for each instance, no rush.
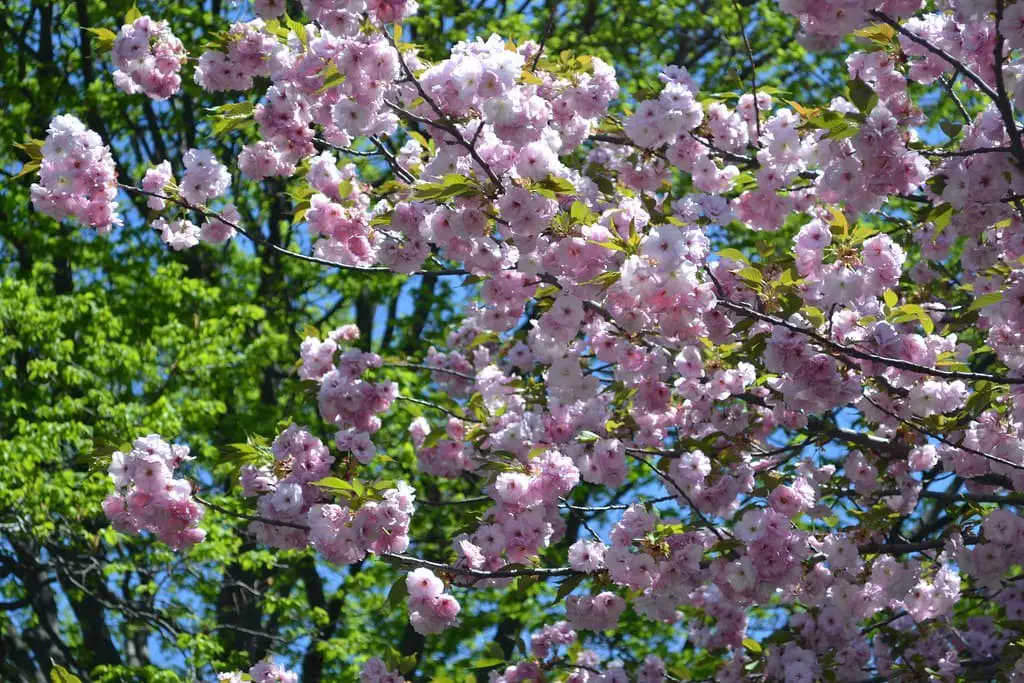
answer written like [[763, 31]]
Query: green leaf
[[232, 116], [451, 186], [29, 167], [614, 246], [556, 184], [862, 233], [878, 33], [940, 216], [890, 298], [407, 664], [937, 183], [275, 28], [752, 645], [233, 109], [862, 96], [909, 312], [132, 15], [605, 280], [242, 454], [751, 275], [605, 184], [581, 214], [839, 126], [839, 220], [58, 674], [814, 316], [482, 338], [332, 78], [568, 586], [804, 112], [33, 148], [733, 255], [486, 663], [986, 300], [398, 593], [951, 128], [299, 29], [335, 483], [104, 38]]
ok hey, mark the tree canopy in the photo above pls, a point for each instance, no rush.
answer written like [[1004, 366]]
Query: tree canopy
[[511, 341]]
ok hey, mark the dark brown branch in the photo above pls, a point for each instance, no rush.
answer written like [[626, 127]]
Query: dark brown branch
[[1003, 103], [1000, 499], [938, 52]]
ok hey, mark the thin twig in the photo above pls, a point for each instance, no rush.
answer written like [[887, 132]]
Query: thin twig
[[461, 501], [606, 508], [251, 518], [428, 404], [939, 437], [884, 622], [718, 532], [431, 368], [753, 71], [854, 352], [552, 7], [1002, 100], [956, 98], [208, 213], [450, 128], [969, 152], [479, 573], [392, 160], [999, 499]]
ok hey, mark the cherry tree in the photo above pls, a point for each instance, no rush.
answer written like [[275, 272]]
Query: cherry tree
[[784, 341]]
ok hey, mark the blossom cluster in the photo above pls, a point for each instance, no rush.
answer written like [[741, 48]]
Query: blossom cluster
[[149, 498], [205, 178], [345, 399], [376, 671], [286, 491], [344, 537], [248, 53], [261, 672], [148, 58], [585, 667], [296, 511], [431, 610], [77, 176]]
